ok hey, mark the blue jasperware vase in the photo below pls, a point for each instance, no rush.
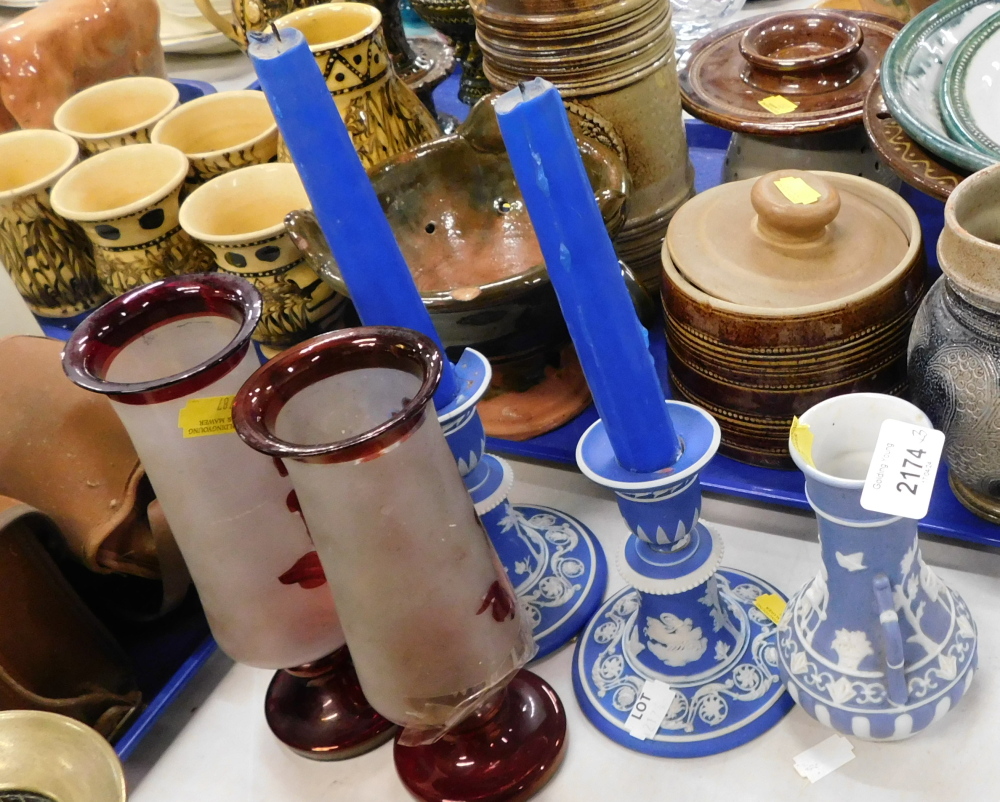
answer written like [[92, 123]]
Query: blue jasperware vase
[[876, 645]]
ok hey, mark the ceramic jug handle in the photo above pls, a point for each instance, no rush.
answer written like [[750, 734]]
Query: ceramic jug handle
[[220, 22], [892, 638]]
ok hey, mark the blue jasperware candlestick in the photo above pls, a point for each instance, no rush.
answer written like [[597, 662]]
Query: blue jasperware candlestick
[[683, 621], [554, 562]]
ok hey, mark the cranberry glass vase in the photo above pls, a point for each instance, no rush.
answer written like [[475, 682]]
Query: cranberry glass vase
[[430, 616], [170, 356]]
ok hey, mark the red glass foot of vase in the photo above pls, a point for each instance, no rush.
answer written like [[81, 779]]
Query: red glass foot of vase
[[319, 711], [502, 754]]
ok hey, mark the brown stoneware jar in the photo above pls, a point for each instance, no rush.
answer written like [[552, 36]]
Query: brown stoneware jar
[[809, 295]]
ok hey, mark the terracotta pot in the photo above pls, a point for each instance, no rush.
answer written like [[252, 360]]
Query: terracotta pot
[[614, 65], [780, 342]]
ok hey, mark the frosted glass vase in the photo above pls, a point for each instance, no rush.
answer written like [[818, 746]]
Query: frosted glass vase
[[169, 356], [431, 619]]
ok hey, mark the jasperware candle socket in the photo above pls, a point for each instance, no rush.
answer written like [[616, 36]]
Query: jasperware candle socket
[[876, 646], [170, 356], [430, 616]]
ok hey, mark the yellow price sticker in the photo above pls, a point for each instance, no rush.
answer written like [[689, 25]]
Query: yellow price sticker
[[771, 605], [802, 440], [200, 417], [776, 104], [797, 190]]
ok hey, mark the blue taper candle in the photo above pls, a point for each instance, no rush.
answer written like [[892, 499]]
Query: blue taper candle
[[343, 200], [583, 267]]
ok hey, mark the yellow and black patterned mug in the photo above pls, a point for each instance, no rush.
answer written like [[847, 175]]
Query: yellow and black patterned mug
[[48, 257], [127, 200], [220, 132], [240, 216], [116, 113]]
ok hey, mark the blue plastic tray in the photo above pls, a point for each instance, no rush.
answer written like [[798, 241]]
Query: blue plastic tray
[[947, 517]]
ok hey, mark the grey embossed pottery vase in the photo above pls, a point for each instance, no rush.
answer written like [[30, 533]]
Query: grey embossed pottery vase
[[954, 351]]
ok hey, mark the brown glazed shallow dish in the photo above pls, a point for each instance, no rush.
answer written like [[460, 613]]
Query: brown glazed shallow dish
[[756, 365], [916, 166], [823, 61]]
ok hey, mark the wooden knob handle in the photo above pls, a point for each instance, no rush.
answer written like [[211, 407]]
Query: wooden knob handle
[[794, 205]]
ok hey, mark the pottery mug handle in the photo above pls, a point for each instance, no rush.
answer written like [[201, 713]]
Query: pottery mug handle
[[225, 26], [892, 638]]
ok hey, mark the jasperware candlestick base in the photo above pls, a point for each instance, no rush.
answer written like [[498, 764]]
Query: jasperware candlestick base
[[683, 621], [503, 752], [319, 711], [554, 561]]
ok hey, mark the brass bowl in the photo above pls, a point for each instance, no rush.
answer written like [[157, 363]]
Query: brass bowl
[[49, 754]]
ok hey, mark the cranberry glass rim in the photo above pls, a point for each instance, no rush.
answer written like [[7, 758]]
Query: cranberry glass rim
[[265, 393], [94, 344]]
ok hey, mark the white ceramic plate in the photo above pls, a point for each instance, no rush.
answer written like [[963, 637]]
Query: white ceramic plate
[[190, 34], [914, 67], [970, 91], [22, 4]]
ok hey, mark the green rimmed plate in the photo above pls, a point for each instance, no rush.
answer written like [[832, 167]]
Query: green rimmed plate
[[913, 70], [970, 90]]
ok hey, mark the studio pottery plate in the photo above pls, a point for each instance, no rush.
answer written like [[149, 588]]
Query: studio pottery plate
[[970, 91], [914, 68]]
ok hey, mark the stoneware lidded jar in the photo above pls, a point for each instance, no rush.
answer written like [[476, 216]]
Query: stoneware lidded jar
[[791, 86], [954, 354], [876, 645], [809, 294]]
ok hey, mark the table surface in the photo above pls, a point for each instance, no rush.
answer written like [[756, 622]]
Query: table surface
[[214, 743]]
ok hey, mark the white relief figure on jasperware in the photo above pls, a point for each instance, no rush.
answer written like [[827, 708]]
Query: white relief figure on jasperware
[[676, 642], [851, 646], [711, 600], [814, 598], [851, 562], [904, 596], [721, 650]]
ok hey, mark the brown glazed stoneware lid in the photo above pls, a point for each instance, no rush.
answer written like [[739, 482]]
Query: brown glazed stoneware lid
[[789, 239], [789, 73]]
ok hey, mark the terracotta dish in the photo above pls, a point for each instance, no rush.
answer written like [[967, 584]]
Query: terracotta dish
[[811, 294]]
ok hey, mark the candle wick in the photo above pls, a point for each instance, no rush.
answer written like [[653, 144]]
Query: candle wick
[[274, 29], [520, 86]]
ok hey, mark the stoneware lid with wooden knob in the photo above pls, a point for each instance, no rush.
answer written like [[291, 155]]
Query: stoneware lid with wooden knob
[[795, 72], [785, 240]]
